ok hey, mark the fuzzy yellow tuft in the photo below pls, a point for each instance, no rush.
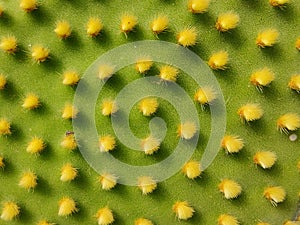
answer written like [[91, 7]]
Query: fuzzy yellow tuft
[[227, 21], [28, 5], [275, 194], [187, 130], [128, 23], [45, 222], [262, 78], [205, 95], [230, 188], [226, 219], [146, 184], [183, 210], [192, 169], [262, 223], [105, 216], [219, 60], [94, 26], [250, 112], [69, 112], [279, 3], [288, 122], [4, 127], [39, 53], [143, 65], [63, 29], [10, 211], [70, 77], [198, 6], [69, 142], [31, 101], [2, 163], [67, 206], [265, 159], [143, 221], [105, 71], [148, 106], [35, 146], [107, 181], [159, 24], [267, 38], [28, 180], [187, 37], [297, 44], [107, 143], [9, 44], [294, 83], [168, 73], [108, 107], [3, 81], [150, 145], [68, 173], [232, 144], [289, 222]]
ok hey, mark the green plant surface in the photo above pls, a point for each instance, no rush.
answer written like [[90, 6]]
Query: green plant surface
[[79, 51]]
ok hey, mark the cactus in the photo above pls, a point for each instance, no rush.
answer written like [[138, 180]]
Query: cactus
[[236, 38]]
